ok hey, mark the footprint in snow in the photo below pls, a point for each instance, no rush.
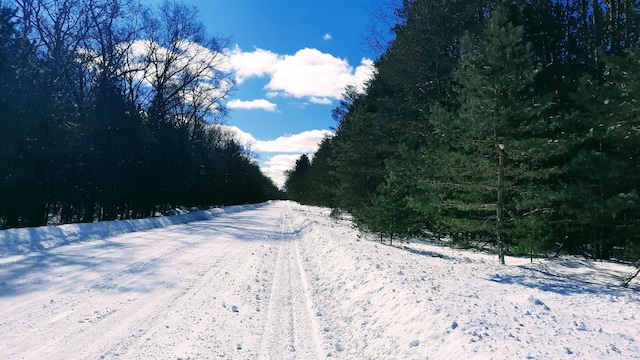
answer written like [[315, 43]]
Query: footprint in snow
[[540, 303]]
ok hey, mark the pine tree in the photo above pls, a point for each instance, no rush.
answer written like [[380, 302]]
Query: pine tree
[[601, 174], [297, 183], [490, 152], [322, 182], [389, 214], [414, 72]]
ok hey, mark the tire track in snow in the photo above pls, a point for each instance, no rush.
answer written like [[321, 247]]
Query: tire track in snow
[[138, 318], [133, 309], [167, 293], [308, 300], [290, 330], [196, 286]]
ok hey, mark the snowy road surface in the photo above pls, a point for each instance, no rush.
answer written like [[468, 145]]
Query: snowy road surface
[[283, 281]]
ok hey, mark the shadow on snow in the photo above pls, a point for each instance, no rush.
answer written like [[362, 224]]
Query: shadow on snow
[[575, 284]]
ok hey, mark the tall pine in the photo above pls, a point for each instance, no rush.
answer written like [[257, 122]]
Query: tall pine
[[488, 164]]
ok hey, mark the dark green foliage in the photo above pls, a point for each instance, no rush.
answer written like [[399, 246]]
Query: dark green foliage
[[298, 180], [393, 114], [80, 141], [498, 109], [554, 83], [321, 176], [601, 173], [388, 213]]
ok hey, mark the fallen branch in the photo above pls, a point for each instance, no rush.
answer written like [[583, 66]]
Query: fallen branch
[[628, 279]]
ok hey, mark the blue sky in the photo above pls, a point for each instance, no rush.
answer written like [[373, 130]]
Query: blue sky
[[292, 60]]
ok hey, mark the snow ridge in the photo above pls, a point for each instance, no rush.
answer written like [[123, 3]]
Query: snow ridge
[[286, 281], [24, 240], [290, 331]]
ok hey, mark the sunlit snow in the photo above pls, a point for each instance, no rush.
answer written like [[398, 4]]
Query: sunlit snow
[[284, 281]]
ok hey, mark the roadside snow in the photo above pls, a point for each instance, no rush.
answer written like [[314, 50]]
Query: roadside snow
[[25, 240], [285, 281]]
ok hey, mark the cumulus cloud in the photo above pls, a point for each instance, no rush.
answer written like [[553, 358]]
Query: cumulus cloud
[[363, 74], [243, 138], [287, 149], [276, 166], [252, 105], [308, 74], [303, 142], [311, 73], [320, 100], [257, 63]]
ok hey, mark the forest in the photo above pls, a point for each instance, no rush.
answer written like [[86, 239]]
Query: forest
[[110, 110], [512, 125]]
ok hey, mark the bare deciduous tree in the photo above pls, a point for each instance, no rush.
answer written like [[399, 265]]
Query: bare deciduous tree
[[179, 70], [385, 16]]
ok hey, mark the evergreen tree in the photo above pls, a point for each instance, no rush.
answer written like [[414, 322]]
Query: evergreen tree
[[390, 214], [297, 183], [414, 72], [322, 182], [101, 143], [602, 174], [492, 151], [25, 186], [530, 118]]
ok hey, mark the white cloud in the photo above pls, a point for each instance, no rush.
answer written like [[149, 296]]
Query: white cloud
[[303, 142], [320, 100], [258, 63], [311, 73], [276, 166], [307, 74], [252, 105], [287, 149], [364, 72], [244, 138], [327, 36]]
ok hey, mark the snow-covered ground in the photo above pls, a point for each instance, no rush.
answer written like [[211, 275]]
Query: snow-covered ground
[[284, 281]]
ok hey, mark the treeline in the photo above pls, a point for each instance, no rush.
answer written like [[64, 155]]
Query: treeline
[[108, 111], [512, 123]]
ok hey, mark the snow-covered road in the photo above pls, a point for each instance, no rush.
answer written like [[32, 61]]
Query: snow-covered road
[[232, 286], [283, 281]]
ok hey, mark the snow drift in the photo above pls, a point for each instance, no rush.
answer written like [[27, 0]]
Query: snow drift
[[284, 281], [25, 240]]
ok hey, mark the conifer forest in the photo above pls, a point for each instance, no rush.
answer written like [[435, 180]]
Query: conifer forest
[[110, 110], [509, 124]]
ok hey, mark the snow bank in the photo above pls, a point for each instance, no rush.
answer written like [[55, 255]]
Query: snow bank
[[420, 300], [286, 281], [25, 240]]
